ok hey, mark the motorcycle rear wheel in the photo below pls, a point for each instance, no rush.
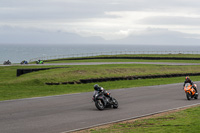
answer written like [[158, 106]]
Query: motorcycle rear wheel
[[196, 97]]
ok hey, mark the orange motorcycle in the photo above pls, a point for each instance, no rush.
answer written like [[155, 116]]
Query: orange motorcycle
[[190, 91]]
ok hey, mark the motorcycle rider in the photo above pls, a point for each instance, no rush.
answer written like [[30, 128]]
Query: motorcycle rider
[[98, 89], [188, 80]]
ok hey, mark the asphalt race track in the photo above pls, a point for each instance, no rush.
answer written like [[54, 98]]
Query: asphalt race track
[[104, 63], [64, 113]]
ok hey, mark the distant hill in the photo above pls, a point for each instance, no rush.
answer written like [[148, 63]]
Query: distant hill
[[22, 36], [10, 35]]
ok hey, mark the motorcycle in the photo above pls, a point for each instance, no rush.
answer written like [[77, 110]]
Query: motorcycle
[[24, 62], [101, 101], [190, 91], [39, 62], [7, 62]]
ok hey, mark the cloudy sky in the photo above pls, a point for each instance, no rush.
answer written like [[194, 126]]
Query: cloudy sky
[[100, 21]]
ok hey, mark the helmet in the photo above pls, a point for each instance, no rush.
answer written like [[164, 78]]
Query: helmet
[[96, 87], [187, 78]]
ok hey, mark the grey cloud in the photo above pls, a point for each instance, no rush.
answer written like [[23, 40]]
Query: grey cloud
[[160, 37], [69, 9], [51, 9], [170, 20], [48, 11], [24, 9]]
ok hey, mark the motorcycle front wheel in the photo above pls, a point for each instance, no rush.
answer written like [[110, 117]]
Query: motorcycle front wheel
[[115, 105], [99, 104], [188, 95]]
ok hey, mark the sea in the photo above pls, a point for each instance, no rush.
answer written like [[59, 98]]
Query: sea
[[18, 52]]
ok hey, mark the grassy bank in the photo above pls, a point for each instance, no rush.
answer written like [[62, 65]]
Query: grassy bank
[[19, 91], [33, 84], [179, 122], [75, 73], [71, 60]]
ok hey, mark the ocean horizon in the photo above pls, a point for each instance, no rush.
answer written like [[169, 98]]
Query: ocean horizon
[[17, 53]]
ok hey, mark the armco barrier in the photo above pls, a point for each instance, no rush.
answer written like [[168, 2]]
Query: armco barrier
[[24, 71], [146, 58], [29, 70], [85, 81]]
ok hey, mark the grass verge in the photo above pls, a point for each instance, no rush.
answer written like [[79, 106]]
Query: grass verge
[[19, 91], [75, 73], [33, 84], [71, 60], [183, 121], [121, 60]]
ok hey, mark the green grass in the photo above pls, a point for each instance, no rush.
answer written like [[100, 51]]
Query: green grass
[[25, 88], [121, 60], [33, 84], [75, 73], [185, 121], [132, 60], [157, 55], [18, 91]]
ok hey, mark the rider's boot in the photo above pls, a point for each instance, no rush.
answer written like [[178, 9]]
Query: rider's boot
[[110, 99], [195, 90]]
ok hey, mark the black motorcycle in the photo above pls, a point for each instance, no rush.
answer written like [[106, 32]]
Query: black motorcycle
[[101, 101], [7, 62]]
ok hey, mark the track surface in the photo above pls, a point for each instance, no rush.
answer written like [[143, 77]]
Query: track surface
[[103, 63], [62, 113]]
